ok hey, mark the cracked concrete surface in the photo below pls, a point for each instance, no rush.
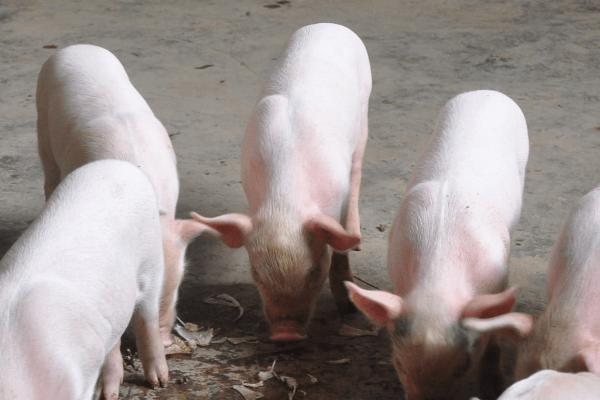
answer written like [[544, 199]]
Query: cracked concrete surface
[[200, 65]]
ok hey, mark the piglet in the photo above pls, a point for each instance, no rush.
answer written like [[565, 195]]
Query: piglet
[[72, 282], [449, 247], [89, 110], [553, 385], [301, 170], [566, 336]]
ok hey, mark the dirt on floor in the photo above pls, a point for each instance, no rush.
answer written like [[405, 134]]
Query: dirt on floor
[[200, 65]]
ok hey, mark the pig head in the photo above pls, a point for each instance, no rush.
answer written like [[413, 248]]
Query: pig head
[[289, 260], [435, 354]]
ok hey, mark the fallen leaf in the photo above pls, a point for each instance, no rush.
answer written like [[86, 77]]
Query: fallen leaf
[[50, 46], [339, 362], [381, 227], [218, 340], [224, 299], [350, 331], [253, 385], [246, 393], [191, 327], [195, 338], [243, 339], [312, 379], [291, 383], [266, 375], [178, 347]]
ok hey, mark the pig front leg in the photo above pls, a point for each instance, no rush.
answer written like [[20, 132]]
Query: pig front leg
[[147, 333], [150, 349], [338, 273], [112, 373], [491, 376]]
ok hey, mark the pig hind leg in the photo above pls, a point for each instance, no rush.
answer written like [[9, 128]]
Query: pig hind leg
[[352, 224], [340, 265]]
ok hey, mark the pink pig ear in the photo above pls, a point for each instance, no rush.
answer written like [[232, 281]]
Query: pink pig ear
[[490, 305], [381, 307], [190, 229], [233, 228], [490, 313], [589, 359], [513, 325], [332, 232]]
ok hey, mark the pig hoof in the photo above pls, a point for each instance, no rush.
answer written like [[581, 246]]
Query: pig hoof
[[158, 375]]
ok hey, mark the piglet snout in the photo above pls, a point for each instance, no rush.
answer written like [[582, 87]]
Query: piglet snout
[[287, 331]]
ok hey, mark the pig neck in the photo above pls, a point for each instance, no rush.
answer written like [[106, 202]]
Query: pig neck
[[464, 253], [288, 166], [573, 306]]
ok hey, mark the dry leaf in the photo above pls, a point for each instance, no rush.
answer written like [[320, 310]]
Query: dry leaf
[[224, 299], [218, 340], [350, 331], [246, 393], [243, 339], [191, 327], [291, 383], [253, 385], [339, 362], [195, 338], [266, 375], [178, 347]]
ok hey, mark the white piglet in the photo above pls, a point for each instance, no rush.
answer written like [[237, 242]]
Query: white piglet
[[301, 171], [553, 385], [449, 248], [566, 336], [89, 110], [72, 282]]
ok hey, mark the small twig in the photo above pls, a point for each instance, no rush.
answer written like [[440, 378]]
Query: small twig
[[365, 282]]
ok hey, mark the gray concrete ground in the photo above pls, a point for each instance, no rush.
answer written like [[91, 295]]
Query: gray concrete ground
[[200, 65]]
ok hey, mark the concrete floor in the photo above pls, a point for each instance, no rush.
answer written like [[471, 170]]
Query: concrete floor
[[200, 65]]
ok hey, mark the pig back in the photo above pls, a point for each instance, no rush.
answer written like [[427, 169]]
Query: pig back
[[480, 144], [575, 263]]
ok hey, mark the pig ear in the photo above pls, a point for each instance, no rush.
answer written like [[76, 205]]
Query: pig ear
[[512, 325], [190, 229], [332, 232], [381, 307], [490, 305], [589, 359], [233, 228]]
